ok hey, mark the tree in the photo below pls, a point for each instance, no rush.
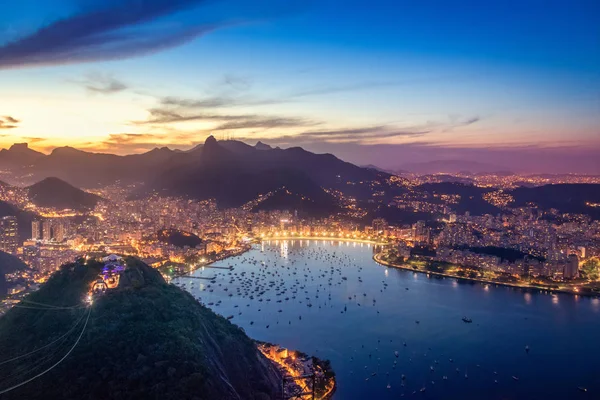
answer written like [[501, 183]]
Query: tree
[[591, 269]]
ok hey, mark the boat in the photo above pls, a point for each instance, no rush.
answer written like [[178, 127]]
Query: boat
[[467, 320], [423, 389], [582, 388], [515, 378]]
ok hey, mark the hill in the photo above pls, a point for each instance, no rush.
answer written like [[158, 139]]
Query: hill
[[284, 200], [56, 193], [178, 238], [566, 198], [471, 197], [8, 264], [24, 218], [144, 339]]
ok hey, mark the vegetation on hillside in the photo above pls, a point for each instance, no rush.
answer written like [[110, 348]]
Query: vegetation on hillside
[[145, 339]]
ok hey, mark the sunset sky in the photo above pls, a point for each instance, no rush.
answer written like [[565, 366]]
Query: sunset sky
[[387, 82]]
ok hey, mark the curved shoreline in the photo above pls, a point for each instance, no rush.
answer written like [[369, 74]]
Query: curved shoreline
[[323, 238], [512, 285], [444, 275]]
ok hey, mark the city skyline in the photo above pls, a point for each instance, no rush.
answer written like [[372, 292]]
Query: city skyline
[[389, 84]]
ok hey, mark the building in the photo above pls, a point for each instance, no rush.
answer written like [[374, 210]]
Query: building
[[47, 230], [571, 268], [9, 234], [379, 225], [420, 232], [36, 230], [58, 229]]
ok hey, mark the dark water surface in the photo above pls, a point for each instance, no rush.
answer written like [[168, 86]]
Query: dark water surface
[[382, 306]]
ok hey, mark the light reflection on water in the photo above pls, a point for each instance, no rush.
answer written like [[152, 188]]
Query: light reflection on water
[[562, 338]]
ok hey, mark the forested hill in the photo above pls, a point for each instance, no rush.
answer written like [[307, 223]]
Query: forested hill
[[145, 339]]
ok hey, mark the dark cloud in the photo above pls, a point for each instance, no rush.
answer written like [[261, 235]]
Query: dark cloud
[[8, 122], [209, 102], [169, 116], [160, 116], [236, 82], [104, 84], [456, 122], [357, 134], [10, 119], [340, 89], [255, 121], [325, 90], [471, 121], [222, 101], [352, 135], [111, 32]]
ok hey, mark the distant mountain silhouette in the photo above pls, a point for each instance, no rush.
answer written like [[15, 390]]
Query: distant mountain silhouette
[[387, 171], [91, 170], [452, 167], [56, 193], [19, 155], [88, 170], [262, 146], [235, 173]]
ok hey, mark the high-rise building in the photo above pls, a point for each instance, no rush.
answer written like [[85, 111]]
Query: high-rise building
[[36, 230], [47, 230], [58, 229], [420, 232], [379, 225], [571, 268], [9, 234]]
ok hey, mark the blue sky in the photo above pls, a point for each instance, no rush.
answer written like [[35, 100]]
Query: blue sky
[[516, 83]]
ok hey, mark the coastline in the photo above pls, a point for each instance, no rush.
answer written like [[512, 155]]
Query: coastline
[[323, 238], [462, 278], [234, 254]]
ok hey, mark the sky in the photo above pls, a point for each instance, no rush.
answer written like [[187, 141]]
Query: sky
[[385, 82]]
